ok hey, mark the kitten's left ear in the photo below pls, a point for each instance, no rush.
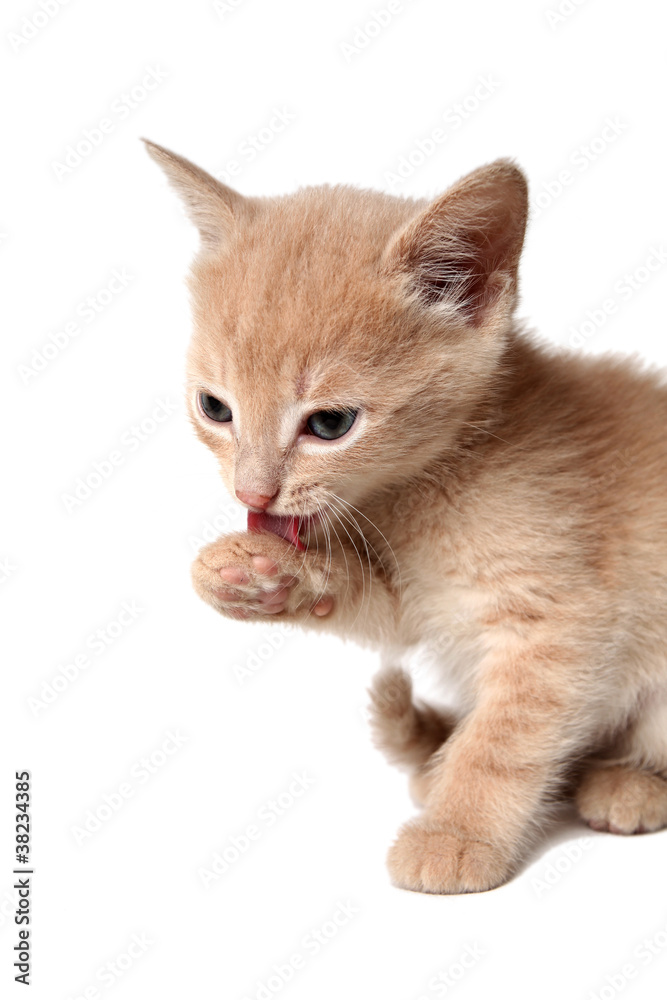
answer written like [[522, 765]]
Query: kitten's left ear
[[214, 208], [464, 248]]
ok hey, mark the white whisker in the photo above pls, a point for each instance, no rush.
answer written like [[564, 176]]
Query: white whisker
[[350, 506], [355, 524], [337, 514], [342, 548]]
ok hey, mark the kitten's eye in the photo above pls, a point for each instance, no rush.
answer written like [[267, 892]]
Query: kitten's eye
[[214, 409], [330, 424]]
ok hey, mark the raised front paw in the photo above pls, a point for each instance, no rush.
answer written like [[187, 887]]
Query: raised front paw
[[429, 858], [255, 575]]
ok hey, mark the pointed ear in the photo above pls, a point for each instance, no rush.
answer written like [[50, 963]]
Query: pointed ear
[[214, 208], [464, 249]]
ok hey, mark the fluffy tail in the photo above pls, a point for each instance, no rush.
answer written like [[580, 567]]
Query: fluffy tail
[[407, 733]]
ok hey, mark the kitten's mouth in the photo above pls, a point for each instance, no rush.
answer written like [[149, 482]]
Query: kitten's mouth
[[278, 524]]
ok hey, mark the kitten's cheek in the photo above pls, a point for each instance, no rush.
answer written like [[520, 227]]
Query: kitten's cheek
[[323, 607]]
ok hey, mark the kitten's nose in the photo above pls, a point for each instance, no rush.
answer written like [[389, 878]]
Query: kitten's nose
[[256, 500]]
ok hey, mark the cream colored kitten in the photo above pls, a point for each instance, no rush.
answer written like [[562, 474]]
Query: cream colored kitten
[[417, 470]]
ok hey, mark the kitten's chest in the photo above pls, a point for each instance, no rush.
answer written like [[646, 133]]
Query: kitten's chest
[[442, 607]]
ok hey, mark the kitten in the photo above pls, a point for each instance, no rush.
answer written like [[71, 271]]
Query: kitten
[[418, 471]]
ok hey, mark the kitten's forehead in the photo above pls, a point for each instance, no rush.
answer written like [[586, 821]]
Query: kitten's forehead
[[290, 298], [258, 361], [313, 250]]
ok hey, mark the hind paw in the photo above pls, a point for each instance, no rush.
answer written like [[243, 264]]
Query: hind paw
[[622, 800]]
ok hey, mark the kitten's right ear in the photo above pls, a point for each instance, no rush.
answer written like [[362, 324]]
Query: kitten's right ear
[[215, 209]]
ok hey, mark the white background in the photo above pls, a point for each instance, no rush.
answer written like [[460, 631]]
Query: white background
[[566, 923]]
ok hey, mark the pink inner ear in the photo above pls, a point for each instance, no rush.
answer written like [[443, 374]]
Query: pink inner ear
[[285, 527], [464, 248]]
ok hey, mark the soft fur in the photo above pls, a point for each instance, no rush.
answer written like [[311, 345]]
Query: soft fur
[[499, 501]]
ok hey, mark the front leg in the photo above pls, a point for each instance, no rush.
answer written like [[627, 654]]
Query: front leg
[[490, 781], [258, 576]]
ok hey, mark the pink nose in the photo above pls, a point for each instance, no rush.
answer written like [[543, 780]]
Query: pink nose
[[256, 500]]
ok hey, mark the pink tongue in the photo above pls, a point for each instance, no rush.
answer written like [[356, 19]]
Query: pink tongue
[[284, 527]]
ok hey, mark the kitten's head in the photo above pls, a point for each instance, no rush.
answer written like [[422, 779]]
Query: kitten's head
[[342, 336]]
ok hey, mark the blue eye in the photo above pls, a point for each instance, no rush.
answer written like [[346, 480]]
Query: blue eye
[[214, 409], [331, 424]]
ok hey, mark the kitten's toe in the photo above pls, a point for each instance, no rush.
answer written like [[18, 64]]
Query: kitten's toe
[[240, 582], [274, 601], [622, 800], [265, 566], [426, 858], [234, 575]]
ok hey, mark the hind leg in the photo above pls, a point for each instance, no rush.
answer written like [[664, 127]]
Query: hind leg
[[409, 734], [628, 793]]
